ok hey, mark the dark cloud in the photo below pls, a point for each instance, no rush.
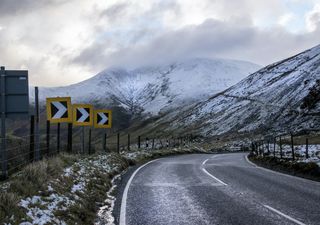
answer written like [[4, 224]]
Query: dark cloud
[[15, 7], [115, 11], [212, 38]]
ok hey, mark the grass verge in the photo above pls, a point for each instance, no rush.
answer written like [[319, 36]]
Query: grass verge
[[308, 170]]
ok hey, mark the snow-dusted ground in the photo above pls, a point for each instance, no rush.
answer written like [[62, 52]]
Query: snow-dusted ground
[[299, 150], [68, 189], [41, 209]]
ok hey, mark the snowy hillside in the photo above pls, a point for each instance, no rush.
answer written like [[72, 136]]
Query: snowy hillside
[[281, 97], [152, 89]]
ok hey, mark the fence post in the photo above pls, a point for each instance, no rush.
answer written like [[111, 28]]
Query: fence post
[[37, 121], [274, 147], [307, 148], [152, 143], [268, 147], [147, 143], [89, 147], [82, 140], [139, 142], [69, 137], [128, 142], [48, 138], [280, 147], [58, 138], [31, 149], [118, 143], [292, 147], [105, 142]]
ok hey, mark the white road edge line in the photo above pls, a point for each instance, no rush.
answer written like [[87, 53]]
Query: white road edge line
[[122, 220], [205, 161], [284, 215], [209, 174], [248, 161]]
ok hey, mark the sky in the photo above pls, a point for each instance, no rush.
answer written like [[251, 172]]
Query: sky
[[62, 42]]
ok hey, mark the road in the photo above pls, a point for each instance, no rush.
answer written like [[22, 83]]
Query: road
[[216, 189]]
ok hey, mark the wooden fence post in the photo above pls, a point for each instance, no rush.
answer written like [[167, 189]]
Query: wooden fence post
[[307, 148], [128, 142], [48, 137], [292, 148], [118, 143], [89, 147], [280, 147], [31, 149], [58, 138], [139, 142], [274, 147], [69, 148], [104, 140]]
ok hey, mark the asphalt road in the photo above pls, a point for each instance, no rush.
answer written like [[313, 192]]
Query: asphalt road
[[216, 189]]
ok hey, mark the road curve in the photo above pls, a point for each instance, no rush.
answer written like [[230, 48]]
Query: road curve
[[216, 189]]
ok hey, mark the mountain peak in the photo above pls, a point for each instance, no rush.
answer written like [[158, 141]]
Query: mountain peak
[[152, 89]]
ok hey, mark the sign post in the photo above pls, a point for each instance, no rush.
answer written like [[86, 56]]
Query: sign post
[[14, 90], [103, 119], [3, 126], [83, 116]]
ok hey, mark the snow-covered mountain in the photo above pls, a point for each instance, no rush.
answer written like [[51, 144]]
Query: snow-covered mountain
[[155, 89], [282, 97]]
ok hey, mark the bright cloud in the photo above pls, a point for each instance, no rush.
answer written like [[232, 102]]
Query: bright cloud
[[65, 41]]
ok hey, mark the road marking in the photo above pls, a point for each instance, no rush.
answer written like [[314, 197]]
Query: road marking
[[204, 162], [125, 195], [248, 161], [284, 215], [209, 174]]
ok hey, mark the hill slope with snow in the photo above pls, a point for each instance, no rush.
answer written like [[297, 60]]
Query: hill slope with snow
[[282, 97], [155, 89]]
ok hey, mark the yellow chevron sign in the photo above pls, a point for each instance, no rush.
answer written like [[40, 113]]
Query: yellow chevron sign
[[82, 114], [59, 110], [103, 118]]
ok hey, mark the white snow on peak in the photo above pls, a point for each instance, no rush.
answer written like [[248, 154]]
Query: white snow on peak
[[156, 88]]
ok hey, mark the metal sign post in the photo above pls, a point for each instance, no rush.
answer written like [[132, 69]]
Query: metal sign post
[[37, 120], [14, 102], [3, 126], [83, 116]]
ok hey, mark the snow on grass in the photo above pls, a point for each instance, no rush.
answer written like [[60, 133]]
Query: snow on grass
[[104, 215], [41, 209]]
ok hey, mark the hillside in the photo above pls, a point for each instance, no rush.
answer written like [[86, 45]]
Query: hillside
[[154, 89], [282, 97]]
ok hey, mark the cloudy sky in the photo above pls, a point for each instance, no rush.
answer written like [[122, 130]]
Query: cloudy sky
[[65, 41]]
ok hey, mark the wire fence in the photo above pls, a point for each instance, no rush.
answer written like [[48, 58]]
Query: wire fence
[[303, 146], [22, 150]]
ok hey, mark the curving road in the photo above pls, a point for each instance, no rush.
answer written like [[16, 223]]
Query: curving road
[[216, 189]]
